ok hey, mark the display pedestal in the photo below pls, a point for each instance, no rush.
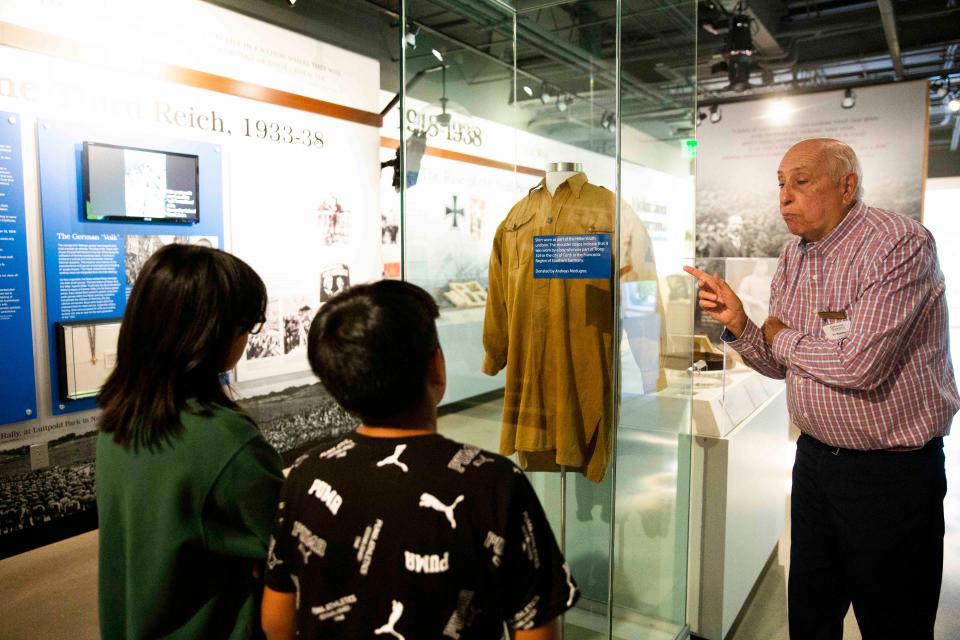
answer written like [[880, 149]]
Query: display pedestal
[[737, 502], [718, 409]]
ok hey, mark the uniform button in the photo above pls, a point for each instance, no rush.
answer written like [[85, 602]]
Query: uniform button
[[799, 380], [814, 278], [549, 219], [806, 415]]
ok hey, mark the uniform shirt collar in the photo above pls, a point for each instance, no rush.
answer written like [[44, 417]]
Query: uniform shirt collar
[[574, 182]]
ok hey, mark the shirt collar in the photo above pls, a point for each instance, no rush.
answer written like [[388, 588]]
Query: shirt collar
[[826, 245], [575, 182]]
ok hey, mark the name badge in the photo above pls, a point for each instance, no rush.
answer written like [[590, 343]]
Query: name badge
[[836, 325]]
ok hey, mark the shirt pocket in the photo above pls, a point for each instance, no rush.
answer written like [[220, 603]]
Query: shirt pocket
[[518, 235], [578, 219]]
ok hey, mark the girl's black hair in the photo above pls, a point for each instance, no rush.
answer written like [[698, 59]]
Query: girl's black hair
[[187, 309]]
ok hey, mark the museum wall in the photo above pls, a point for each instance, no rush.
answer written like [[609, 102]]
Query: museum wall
[[286, 138]]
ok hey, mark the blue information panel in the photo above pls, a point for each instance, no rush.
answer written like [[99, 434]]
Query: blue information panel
[[18, 398], [90, 266], [576, 257]]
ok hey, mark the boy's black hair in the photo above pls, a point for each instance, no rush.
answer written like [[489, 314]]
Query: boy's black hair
[[371, 345], [187, 309]]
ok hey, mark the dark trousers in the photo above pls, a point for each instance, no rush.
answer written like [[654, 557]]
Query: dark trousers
[[866, 528]]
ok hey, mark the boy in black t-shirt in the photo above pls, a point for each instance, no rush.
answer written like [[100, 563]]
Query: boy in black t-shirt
[[394, 531]]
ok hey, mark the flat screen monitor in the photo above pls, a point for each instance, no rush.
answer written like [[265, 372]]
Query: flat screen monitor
[[142, 185]]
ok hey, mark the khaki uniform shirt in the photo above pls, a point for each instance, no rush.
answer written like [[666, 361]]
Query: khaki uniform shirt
[[555, 336]]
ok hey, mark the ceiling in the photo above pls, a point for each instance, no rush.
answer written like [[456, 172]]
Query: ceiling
[[673, 52]]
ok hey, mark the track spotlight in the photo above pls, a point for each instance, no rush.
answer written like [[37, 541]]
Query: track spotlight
[[444, 118], [291, 2], [739, 54], [411, 36], [563, 102], [527, 90], [608, 122], [701, 116], [849, 99], [437, 54], [954, 104], [546, 95], [942, 88], [715, 115]]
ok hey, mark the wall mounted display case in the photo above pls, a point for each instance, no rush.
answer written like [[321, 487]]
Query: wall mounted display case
[[86, 354]]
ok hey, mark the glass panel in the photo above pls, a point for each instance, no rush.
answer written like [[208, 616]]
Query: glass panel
[[88, 353], [501, 90], [498, 91], [657, 300]]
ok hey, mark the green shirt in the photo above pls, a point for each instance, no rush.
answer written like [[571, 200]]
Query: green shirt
[[181, 527]]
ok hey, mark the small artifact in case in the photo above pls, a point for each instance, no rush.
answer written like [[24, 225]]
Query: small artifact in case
[[86, 354]]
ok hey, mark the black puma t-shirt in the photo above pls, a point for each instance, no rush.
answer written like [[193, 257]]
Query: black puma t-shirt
[[411, 538]]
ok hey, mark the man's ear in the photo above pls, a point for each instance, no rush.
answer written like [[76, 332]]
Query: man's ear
[[849, 185]]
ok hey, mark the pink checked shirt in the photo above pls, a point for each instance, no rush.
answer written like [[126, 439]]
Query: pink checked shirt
[[889, 384]]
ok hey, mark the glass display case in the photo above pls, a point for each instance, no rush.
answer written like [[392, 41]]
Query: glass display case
[[86, 354], [550, 213], [723, 390]]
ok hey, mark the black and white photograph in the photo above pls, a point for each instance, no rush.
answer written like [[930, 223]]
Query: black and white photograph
[[737, 197], [757, 232], [137, 249], [293, 419], [145, 183], [476, 210], [298, 312], [46, 498], [268, 342], [333, 279], [334, 221], [389, 227]]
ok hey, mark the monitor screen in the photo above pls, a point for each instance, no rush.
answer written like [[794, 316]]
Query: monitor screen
[[124, 183]]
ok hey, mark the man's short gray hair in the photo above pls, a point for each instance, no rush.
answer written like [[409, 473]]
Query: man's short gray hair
[[844, 161]]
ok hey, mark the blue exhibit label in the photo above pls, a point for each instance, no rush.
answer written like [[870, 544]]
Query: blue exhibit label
[[18, 398], [579, 257]]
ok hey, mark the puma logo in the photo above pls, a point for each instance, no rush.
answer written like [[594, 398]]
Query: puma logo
[[395, 613], [431, 502], [573, 589], [395, 458]]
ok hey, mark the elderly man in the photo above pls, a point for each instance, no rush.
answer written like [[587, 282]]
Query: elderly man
[[858, 327]]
